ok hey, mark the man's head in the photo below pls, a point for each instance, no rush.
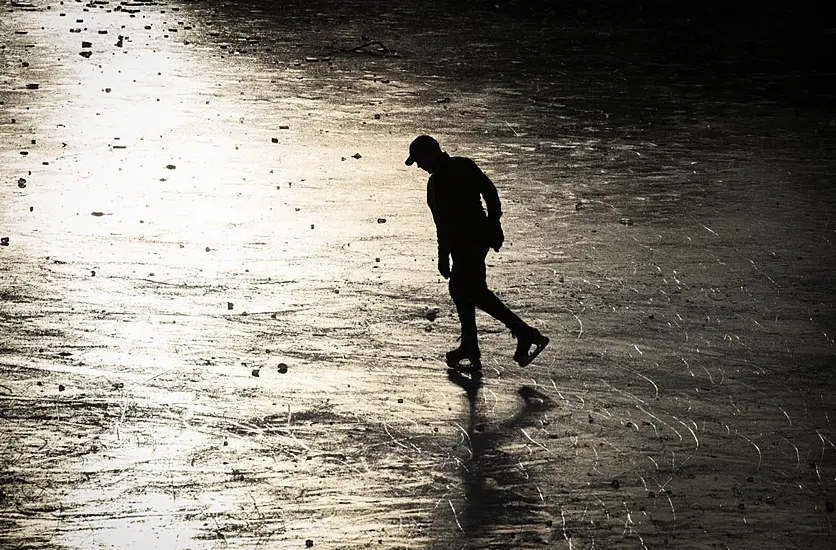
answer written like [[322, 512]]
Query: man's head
[[424, 151]]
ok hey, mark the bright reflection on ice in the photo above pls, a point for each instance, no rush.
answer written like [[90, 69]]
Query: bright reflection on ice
[[153, 151]]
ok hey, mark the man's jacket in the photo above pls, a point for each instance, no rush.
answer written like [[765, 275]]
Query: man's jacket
[[454, 193]]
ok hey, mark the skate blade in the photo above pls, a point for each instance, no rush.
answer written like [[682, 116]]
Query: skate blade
[[540, 346], [465, 368]]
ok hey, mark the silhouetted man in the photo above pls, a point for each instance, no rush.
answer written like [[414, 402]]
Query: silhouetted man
[[454, 194]]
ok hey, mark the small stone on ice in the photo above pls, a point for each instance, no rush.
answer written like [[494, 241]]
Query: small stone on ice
[[357, 156]]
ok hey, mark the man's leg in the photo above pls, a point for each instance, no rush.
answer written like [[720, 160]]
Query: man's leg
[[488, 302], [462, 284], [467, 318], [482, 297], [527, 336]]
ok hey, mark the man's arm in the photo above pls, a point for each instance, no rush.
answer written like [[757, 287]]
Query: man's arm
[[488, 191]]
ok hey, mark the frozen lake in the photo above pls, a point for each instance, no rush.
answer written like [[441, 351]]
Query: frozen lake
[[216, 275]]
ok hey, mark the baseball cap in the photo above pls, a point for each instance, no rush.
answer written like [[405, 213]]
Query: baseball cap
[[421, 146]]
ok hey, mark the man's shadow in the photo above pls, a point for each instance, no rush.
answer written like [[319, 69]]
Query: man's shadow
[[500, 498]]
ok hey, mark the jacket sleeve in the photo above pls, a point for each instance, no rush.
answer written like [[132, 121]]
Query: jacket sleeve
[[488, 191], [441, 221]]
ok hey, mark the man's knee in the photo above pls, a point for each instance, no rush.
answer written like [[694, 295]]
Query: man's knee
[[466, 288]]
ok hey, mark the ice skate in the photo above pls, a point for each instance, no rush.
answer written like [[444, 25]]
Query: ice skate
[[455, 357], [526, 338]]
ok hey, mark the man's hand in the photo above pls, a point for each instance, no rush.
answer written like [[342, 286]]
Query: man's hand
[[495, 235], [444, 266]]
